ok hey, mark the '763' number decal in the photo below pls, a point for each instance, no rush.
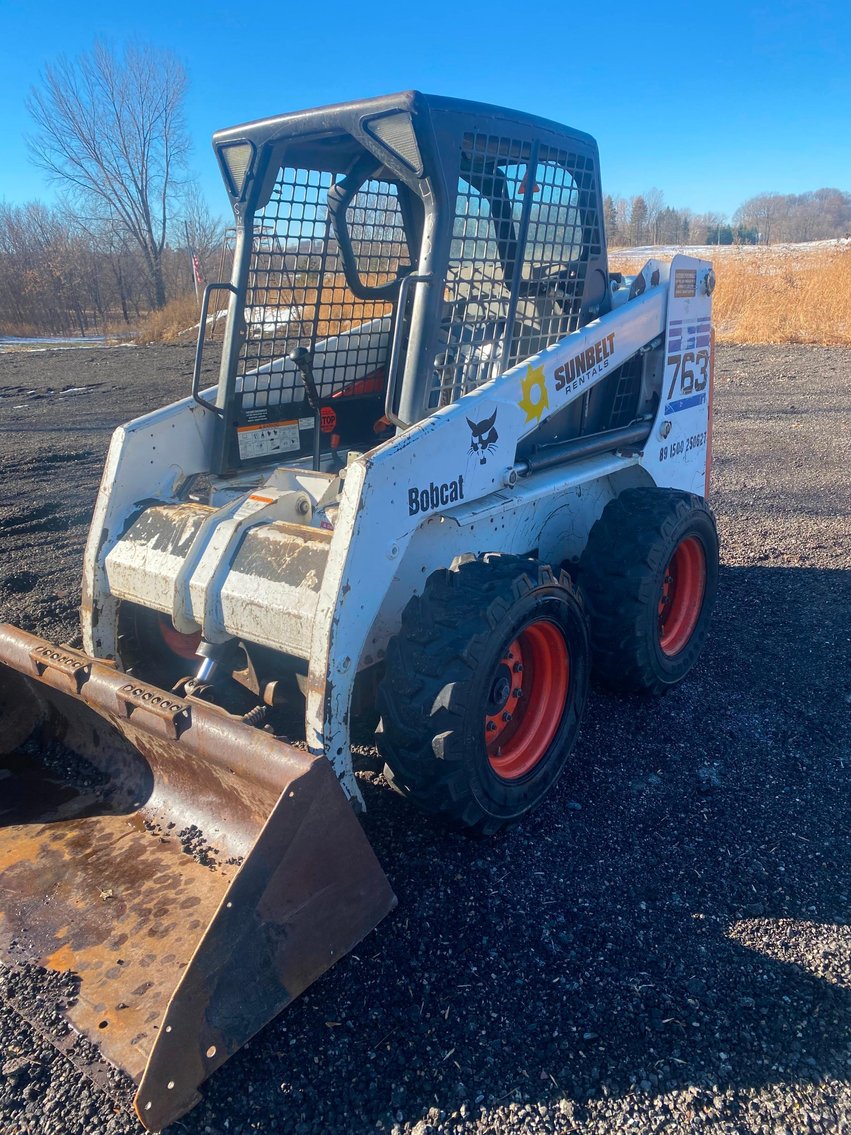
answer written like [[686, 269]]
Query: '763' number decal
[[691, 370]]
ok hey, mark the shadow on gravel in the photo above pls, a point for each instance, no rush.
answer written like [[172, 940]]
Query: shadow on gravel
[[674, 916]]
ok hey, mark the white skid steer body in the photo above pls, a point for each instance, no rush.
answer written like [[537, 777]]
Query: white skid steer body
[[436, 491]]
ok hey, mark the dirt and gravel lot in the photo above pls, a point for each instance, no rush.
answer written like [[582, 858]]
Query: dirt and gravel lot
[[664, 946]]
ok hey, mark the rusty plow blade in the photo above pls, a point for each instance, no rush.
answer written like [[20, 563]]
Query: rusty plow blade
[[177, 959]]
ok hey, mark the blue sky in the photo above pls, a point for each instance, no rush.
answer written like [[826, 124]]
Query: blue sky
[[710, 102]]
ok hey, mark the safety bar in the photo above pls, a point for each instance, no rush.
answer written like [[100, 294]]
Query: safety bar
[[396, 347], [199, 348]]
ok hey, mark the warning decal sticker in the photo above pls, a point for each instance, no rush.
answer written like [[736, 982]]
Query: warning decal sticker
[[266, 439], [685, 283]]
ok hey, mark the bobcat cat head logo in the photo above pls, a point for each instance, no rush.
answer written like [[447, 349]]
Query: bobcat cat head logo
[[483, 437]]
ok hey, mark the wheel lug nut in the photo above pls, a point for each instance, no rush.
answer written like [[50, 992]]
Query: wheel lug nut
[[506, 717], [490, 727], [517, 693], [518, 667]]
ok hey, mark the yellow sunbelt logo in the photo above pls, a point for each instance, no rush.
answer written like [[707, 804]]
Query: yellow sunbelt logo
[[535, 399]]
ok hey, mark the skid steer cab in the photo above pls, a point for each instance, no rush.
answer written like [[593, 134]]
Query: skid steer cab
[[451, 467]]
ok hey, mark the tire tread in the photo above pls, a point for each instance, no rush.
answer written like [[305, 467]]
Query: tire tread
[[443, 635]]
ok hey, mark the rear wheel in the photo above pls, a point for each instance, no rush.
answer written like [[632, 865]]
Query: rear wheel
[[650, 573], [484, 690], [151, 647]]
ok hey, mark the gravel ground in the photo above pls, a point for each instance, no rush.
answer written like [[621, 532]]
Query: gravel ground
[[663, 946]]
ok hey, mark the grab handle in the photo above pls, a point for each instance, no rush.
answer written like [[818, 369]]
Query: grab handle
[[199, 348], [396, 347]]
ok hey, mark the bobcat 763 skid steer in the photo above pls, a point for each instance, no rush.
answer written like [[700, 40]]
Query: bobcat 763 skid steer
[[450, 463]]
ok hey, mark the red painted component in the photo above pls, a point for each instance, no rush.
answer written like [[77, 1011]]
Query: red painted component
[[371, 384], [537, 668], [683, 589], [183, 645]]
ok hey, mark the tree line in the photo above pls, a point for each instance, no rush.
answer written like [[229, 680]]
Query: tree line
[[66, 272], [61, 274], [767, 218], [109, 131]]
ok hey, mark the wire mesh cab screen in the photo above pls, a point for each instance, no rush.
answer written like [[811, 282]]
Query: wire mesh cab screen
[[298, 295], [525, 226]]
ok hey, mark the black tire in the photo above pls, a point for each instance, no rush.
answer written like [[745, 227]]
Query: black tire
[[144, 637], [623, 572], [446, 674]]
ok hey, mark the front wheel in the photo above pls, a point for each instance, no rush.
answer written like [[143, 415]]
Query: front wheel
[[650, 573], [484, 690]]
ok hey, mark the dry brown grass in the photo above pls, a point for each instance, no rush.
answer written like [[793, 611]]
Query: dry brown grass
[[20, 330], [335, 307], [764, 295], [176, 321], [782, 295], [339, 310]]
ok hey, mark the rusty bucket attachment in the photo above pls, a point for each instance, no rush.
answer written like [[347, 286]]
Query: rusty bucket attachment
[[177, 959]]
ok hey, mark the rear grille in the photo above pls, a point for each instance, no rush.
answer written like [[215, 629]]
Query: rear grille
[[625, 401]]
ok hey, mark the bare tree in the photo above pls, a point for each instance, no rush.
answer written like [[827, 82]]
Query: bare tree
[[111, 130], [622, 217], [610, 221], [706, 228], [834, 207], [654, 199], [202, 230], [816, 215], [763, 213]]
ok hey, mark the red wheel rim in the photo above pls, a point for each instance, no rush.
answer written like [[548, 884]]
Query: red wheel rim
[[183, 645], [683, 587], [527, 699]]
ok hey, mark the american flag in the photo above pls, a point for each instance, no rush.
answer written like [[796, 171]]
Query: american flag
[[196, 268]]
